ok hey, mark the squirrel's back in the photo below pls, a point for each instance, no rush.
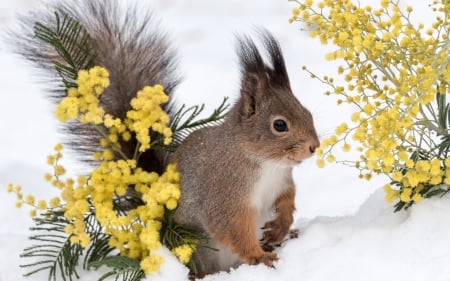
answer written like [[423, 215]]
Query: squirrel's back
[[127, 43]]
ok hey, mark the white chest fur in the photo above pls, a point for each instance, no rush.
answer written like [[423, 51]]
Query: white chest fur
[[273, 180]]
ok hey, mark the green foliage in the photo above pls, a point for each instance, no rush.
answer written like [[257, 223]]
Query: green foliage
[[174, 235], [99, 247], [185, 121], [122, 268], [443, 121], [53, 250], [72, 42]]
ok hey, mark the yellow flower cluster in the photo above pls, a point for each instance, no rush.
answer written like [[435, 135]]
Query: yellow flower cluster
[[134, 231], [151, 263], [146, 114], [184, 252], [417, 178], [42, 206], [83, 101], [393, 70]]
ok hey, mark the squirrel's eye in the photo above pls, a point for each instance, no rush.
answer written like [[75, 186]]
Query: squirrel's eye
[[280, 126]]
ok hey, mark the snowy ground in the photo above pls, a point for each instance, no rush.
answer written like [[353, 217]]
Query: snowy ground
[[348, 231]]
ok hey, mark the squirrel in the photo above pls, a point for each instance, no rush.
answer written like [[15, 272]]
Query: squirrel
[[236, 176]]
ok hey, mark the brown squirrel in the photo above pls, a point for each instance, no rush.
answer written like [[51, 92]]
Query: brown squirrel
[[235, 175]]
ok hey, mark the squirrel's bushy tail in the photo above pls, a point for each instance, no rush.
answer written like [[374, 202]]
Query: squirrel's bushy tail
[[127, 43]]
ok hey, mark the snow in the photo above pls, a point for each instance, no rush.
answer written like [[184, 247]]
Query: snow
[[348, 232]]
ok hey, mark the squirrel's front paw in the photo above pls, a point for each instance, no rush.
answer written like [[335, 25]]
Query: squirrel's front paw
[[274, 232], [266, 258], [294, 233]]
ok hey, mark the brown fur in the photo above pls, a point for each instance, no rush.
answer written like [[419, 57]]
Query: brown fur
[[223, 167]]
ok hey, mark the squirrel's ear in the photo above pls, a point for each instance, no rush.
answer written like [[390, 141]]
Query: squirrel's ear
[[253, 87]]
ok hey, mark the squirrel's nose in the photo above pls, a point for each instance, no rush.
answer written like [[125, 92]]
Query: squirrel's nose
[[313, 146]]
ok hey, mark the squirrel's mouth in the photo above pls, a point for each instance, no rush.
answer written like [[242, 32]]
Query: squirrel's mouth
[[294, 161], [297, 155]]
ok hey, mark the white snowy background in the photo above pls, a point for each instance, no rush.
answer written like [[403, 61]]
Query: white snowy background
[[348, 232]]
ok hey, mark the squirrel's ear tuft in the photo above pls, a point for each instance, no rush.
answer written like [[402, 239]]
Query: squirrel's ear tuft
[[258, 76], [277, 71], [254, 79]]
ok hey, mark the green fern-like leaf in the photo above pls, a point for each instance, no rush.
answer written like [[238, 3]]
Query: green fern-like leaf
[[98, 247], [174, 235], [443, 123], [52, 250], [122, 268], [443, 108], [73, 44], [184, 121]]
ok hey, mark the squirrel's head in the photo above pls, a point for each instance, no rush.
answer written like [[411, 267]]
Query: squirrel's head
[[271, 122]]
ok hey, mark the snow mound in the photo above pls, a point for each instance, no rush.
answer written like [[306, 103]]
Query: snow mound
[[374, 244]]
